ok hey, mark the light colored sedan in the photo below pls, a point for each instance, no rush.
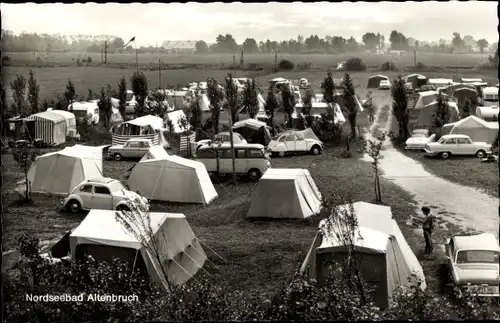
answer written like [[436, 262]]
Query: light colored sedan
[[419, 138], [294, 141], [473, 263], [133, 148], [102, 193], [460, 145], [384, 85]]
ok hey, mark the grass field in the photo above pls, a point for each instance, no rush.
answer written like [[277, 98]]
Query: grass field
[[321, 60]]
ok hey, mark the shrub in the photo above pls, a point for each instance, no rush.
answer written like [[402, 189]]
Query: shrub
[[285, 64], [304, 66], [388, 66], [420, 66], [89, 59], [355, 64]]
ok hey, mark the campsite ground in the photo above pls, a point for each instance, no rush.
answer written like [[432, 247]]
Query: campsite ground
[[252, 255]]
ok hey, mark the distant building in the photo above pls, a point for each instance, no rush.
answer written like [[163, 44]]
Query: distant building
[[179, 46]]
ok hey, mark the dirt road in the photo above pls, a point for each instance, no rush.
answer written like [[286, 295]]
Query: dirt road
[[464, 206]]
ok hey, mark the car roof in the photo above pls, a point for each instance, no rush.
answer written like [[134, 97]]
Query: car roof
[[228, 145], [455, 136], [103, 180], [483, 241]]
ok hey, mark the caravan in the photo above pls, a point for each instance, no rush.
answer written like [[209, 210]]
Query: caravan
[[82, 109]]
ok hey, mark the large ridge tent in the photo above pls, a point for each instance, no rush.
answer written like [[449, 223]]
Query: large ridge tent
[[462, 94], [59, 172], [426, 98], [387, 260], [173, 179], [145, 127], [451, 88], [50, 127], [155, 152], [427, 113], [490, 94], [103, 237], [374, 81], [254, 131], [417, 80], [285, 194], [489, 114], [95, 152], [475, 128]]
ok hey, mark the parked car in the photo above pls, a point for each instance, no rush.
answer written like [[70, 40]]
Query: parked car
[[250, 159], [473, 263], [133, 148], [384, 85], [455, 144], [293, 141], [419, 138], [223, 137], [424, 88], [104, 193]]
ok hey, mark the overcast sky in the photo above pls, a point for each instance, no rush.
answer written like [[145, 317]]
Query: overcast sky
[[152, 23]]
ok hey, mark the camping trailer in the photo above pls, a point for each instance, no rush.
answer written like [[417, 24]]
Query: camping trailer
[[490, 94], [285, 194], [83, 109], [386, 259], [489, 114], [103, 237], [374, 81]]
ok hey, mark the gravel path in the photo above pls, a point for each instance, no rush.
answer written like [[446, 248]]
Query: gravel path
[[464, 206]]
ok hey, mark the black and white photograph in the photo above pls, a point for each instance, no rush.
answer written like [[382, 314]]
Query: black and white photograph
[[281, 161]]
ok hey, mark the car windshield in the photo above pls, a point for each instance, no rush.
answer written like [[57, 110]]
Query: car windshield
[[419, 135], [477, 256], [116, 186]]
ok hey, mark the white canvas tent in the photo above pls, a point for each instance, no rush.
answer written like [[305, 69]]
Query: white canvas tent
[[155, 152], [427, 113], [173, 179], [50, 127], [95, 152], [387, 261], [489, 114], [285, 193], [103, 237], [425, 98], [174, 117], [475, 128], [59, 172]]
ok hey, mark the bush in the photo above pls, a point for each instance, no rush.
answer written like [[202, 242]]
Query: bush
[[388, 66], [285, 64], [355, 64], [420, 66], [89, 59], [304, 66]]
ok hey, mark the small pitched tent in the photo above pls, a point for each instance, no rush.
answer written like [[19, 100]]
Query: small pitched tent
[[173, 179], [59, 172], [101, 236], [475, 128], [374, 81], [427, 114], [490, 94], [451, 88], [155, 152], [254, 131], [285, 194], [461, 94], [489, 114], [50, 127], [426, 98], [417, 80], [387, 260]]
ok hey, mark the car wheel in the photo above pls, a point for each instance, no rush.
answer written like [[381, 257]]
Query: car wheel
[[481, 154], [254, 174], [74, 206], [315, 150], [117, 157], [281, 154], [445, 155]]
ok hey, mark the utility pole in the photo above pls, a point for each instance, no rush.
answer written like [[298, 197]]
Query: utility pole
[[232, 143], [102, 56], [105, 52], [275, 59], [415, 57], [136, 58], [159, 73]]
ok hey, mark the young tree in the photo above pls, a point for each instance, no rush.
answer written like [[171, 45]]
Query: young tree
[[232, 97], [18, 87], [140, 89], [105, 107], [482, 44], [45, 105], [288, 103], [373, 148], [24, 156], [328, 88], [350, 102], [272, 105], [70, 94], [442, 114], [215, 95], [33, 93], [196, 114], [307, 107], [250, 98], [90, 95], [400, 106], [122, 97]]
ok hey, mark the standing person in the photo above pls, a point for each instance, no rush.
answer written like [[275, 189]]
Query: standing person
[[428, 227]]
